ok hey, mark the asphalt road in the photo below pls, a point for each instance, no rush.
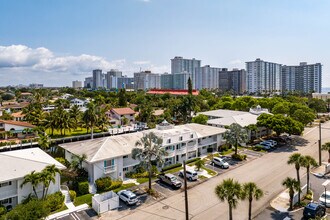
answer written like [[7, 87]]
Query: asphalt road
[[267, 172]]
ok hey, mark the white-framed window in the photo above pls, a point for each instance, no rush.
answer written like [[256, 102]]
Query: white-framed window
[[5, 184], [125, 169], [5, 201], [180, 138]]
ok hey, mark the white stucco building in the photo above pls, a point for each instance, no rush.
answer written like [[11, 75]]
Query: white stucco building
[[116, 116], [15, 165], [111, 156]]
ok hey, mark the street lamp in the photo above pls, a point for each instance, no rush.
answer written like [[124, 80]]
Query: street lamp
[[325, 191]]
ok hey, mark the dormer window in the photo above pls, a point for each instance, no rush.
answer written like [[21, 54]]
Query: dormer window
[[180, 138]]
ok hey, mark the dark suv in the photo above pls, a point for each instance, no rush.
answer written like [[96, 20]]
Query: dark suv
[[313, 210]]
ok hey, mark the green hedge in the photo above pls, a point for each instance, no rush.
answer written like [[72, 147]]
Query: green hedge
[[102, 184], [73, 195], [55, 201], [83, 188], [192, 160], [171, 167], [239, 157]]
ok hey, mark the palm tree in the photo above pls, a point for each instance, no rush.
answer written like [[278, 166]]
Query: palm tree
[[297, 160], [79, 160], [151, 151], [231, 191], [48, 175], [326, 147], [291, 184], [34, 179], [199, 164], [251, 191], [44, 141], [75, 115], [308, 162], [236, 134], [90, 117]]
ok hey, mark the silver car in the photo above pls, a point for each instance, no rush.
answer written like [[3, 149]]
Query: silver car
[[220, 162], [128, 197]]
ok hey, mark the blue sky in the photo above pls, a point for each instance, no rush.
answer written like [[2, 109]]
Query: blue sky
[[57, 41]]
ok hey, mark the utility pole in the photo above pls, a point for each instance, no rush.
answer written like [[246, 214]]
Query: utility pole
[[185, 189], [320, 157]]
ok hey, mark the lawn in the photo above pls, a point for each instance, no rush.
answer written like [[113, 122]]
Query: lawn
[[209, 171], [83, 199], [124, 186], [174, 170], [79, 131], [142, 180]]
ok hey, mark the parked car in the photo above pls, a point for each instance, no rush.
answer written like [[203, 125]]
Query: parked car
[[325, 199], [128, 197], [170, 179], [220, 162], [266, 143], [313, 210], [190, 174], [272, 141]]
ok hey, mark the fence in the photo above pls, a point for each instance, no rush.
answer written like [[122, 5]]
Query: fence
[[105, 202]]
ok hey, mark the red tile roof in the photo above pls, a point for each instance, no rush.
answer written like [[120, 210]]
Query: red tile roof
[[18, 123], [171, 91], [123, 111], [18, 114]]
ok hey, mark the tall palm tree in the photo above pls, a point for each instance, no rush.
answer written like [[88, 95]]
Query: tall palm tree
[[151, 151], [230, 191], [90, 117], [75, 115], [34, 179], [326, 147], [308, 162], [236, 134], [291, 184], [48, 175], [297, 160], [251, 191], [44, 141]]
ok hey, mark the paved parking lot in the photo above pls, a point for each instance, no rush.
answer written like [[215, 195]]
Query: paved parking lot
[[81, 215]]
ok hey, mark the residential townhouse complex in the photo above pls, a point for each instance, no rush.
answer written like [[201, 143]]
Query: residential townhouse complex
[[111, 156], [14, 166]]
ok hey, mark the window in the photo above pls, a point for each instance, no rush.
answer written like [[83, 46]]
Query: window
[[180, 138], [169, 141], [5, 184], [108, 163], [192, 136], [5, 201], [126, 156], [125, 169]]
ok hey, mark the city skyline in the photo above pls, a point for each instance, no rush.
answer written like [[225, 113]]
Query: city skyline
[[67, 44]]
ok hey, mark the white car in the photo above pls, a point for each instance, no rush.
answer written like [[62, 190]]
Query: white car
[[191, 174], [267, 143], [220, 162], [128, 197], [325, 199]]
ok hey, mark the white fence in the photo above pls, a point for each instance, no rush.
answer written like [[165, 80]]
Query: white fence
[[105, 202], [302, 193]]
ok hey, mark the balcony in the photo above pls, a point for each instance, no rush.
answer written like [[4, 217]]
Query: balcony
[[110, 169], [207, 141], [181, 150], [170, 153], [7, 193], [192, 148], [128, 162]]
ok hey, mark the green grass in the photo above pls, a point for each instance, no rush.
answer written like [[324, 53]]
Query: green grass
[[124, 186], [174, 170], [60, 210], [209, 171], [84, 199], [227, 152], [79, 131], [142, 180], [201, 177]]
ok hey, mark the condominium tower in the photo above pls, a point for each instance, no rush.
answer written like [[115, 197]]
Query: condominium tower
[[180, 65], [263, 77]]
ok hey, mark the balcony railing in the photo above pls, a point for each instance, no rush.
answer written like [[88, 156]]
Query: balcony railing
[[110, 169], [170, 153], [191, 148], [181, 150], [8, 193]]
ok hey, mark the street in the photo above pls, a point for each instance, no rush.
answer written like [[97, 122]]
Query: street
[[267, 172]]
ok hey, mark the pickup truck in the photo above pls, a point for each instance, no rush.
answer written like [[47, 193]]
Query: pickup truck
[[170, 179]]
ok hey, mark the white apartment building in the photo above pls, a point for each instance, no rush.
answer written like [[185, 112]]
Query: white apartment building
[[14, 166], [180, 65], [111, 156], [207, 77], [263, 77], [146, 80], [76, 84]]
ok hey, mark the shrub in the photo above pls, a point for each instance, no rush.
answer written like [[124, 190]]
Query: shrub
[[257, 147], [62, 161], [102, 184], [83, 188], [73, 195], [239, 157], [3, 210], [33, 210], [171, 166], [55, 201], [115, 184], [192, 160]]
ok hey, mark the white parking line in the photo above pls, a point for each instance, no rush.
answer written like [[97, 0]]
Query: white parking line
[[75, 216]]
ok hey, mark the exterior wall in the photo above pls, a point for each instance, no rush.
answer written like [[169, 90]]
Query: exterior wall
[[207, 77], [9, 127], [117, 119], [166, 81]]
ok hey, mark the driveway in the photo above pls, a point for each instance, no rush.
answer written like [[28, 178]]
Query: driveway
[[267, 172]]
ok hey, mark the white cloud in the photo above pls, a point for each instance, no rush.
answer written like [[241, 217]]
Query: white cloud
[[142, 62], [22, 64]]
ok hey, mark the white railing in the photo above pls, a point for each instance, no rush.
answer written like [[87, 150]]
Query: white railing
[[8, 193], [110, 169], [192, 143], [181, 150], [170, 153], [191, 148]]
